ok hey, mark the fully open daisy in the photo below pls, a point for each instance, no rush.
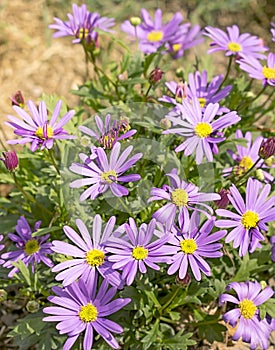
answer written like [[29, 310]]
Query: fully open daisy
[[192, 244], [31, 250], [246, 315], [88, 255], [103, 174], [251, 218], [181, 196], [36, 128], [236, 44], [80, 308], [200, 129], [137, 250]]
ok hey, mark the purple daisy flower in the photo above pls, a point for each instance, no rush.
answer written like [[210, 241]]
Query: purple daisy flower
[[272, 242], [247, 156], [256, 70], [138, 250], [251, 218], [185, 39], [31, 250], [246, 316], [181, 196], [80, 309], [37, 129], [89, 254], [180, 92], [234, 43], [103, 174], [109, 134], [197, 126], [152, 33], [191, 244], [82, 25]]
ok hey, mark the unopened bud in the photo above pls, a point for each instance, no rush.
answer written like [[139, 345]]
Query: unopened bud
[[223, 202], [181, 91], [18, 100], [155, 76], [32, 306], [269, 161], [183, 281], [10, 160], [165, 123], [267, 148], [260, 175], [135, 21], [123, 124]]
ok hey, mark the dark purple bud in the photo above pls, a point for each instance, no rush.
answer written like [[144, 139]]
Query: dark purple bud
[[10, 160], [267, 148], [223, 202], [18, 100], [183, 281], [155, 76]]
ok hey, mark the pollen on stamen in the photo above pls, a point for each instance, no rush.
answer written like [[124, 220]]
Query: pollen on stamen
[[42, 134], [179, 197], [109, 176], [188, 246], [203, 129], [250, 219], [88, 313], [234, 47], [95, 257], [268, 73], [155, 36], [140, 253], [247, 308], [31, 247]]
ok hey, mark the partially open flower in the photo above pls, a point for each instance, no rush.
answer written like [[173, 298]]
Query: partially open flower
[[17, 99], [267, 148]]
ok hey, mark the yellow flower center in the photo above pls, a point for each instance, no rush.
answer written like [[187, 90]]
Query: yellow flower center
[[95, 257], [246, 163], [234, 47], [82, 33], [203, 129], [188, 246], [268, 73], [154, 36], [88, 313], [247, 308], [109, 176], [31, 247], [202, 101], [179, 197], [44, 133], [140, 253], [176, 47], [250, 219]]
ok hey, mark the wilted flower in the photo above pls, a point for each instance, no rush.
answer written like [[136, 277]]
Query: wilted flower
[[108, 134], [88, 254], [82, 25], [251, 218], [103, 174], [200, 129], [247, 156], [234, 43], [31, 250], [181, 196], [267, 148], [10, 160], [256, 70], [32, 306], [37, 129], [80, 308], [17, 99], [246, 316]]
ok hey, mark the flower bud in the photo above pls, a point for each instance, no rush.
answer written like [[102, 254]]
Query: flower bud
[[223, 202], [32, 306], [183, 281], [267, 148], [165, 123], [3, 295], [10, 160], [18, 100], [135, 21], [155, 76]]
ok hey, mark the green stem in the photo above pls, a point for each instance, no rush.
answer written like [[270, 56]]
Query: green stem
[[28, 196], [248, 171], [169, 301], [148, 90], [53, 161], [227, 73], [263, 105]]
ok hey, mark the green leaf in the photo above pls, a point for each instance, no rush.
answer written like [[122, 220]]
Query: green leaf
[[25, 271], [43, 231], [151, 336]]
